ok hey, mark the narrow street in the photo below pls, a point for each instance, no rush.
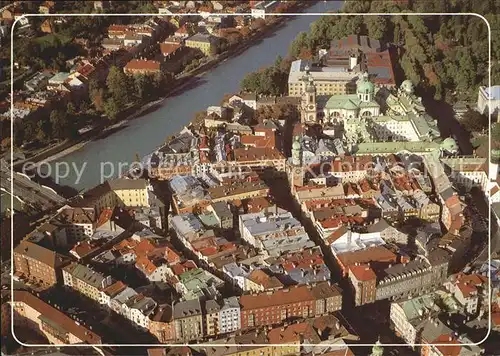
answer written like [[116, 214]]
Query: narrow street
[[369, 321]]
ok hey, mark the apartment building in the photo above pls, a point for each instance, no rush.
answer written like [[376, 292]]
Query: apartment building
[[57, 327], [78, 223], [229, 315], [274, 307], [275, 233], [38, 264], [259, 158], [188, 320], [86, 281], [212, 313]]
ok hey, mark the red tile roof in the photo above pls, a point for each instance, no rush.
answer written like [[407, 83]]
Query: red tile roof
[[142, 64], [169, 48], [452, 347], [256, 154], [363, 272]]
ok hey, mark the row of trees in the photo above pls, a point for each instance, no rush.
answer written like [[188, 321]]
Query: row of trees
[[121, 91], [61, 123], [268, 81], [438, 53]]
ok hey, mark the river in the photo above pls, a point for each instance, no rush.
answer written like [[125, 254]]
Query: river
[[144, 134]]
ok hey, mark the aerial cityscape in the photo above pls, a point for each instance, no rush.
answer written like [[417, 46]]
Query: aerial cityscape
[[268, 177]]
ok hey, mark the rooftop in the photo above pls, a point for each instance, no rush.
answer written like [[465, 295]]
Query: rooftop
[[57, 317]]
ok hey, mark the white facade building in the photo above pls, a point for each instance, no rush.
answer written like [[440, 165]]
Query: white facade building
[[489, 96], [229, 316]]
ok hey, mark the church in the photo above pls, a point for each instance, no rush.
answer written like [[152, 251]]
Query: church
[[337, 108]]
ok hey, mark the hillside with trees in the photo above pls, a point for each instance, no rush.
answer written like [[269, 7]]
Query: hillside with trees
[[445, 56]]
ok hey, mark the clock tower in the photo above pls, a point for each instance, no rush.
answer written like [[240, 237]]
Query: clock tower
[[308, 102], [295, 168]]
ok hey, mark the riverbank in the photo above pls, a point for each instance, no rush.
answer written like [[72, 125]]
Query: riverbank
[[180, 84]]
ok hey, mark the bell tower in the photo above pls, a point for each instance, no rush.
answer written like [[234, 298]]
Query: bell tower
[[308, 102], [295, 169]]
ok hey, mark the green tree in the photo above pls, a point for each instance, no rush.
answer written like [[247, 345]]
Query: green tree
[[300, 42], [43, 131], [117, 83], [377, 26], [59, 123], [70, 109], [111, 109], [495, 133], [144, 86], [474, 121]]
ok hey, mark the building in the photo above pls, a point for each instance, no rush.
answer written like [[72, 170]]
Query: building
[[328, 81], [142, 66], [38, 82], [85, 281], [295, 302], [162, 325], [275, 233], [188, 320], [229, 316], [122, 192], [260, 9], [486, 97], [468, 172], [238, 190], [467, 290], [205, 43], [364, 281], [407, 315], [248, 99], [223, 214], [38, 264], [78, 223], [32, 312], [211, 312], [259, 158]]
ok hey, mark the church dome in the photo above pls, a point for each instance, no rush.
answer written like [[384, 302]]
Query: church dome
[[449, 145], [365, 87], [407, 86]]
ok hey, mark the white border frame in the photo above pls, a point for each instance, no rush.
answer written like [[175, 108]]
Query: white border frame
[[241, 14]]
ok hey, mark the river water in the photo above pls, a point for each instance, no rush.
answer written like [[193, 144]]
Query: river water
[[101, 158]]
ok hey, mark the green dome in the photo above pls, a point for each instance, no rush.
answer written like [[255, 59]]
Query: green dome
[[365, 87], [449, 145], [407, 86]]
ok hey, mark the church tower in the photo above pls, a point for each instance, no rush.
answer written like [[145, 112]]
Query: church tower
[[295, 169], [365, 89], [308, 102]]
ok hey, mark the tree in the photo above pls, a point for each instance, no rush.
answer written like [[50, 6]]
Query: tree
[[111, 109], [70, 109], [117, 83], [43, 131], [144, 86], [59, 123], [376, 26], [300, 42], [474, 121], [495, 133]]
